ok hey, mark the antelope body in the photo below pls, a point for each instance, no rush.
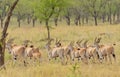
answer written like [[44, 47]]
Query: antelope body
[[104, 50], [55, 52], [33, 52]]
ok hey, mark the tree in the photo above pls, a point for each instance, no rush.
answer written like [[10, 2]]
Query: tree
[[4, 32], [4, 5], [22, 11], [112, 9], [47, 9], [94, 7]]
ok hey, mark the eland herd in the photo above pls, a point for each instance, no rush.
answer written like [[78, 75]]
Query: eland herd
[[74, 50]]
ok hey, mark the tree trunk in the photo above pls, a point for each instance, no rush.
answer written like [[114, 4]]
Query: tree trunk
[[40, 22], [56, 21], [110, 14], [34, 19], [103, 18], [28, 19], [95, 19], [1, 22], [4, 33], [77, 20], [48, 29], [114, 17], [2, 50], [19, 23], [110, 19], [118, 16], [86, 18], [68, 20], [83, 19]]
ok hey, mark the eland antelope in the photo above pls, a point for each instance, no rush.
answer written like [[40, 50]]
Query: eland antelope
[[55, 52], [104, 50], [17, 51]]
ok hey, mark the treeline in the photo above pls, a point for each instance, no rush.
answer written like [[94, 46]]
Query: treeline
[[77, 11]]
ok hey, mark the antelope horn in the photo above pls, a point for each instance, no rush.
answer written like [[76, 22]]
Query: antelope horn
[[56, 40], [81, 40], [25, 42], [95, 39], [99, 39], [10, 40], [86, 41], [49, 41], [77, 42], [59, 41]]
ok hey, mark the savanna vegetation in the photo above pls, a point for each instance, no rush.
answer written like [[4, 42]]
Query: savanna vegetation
[[67, 20]]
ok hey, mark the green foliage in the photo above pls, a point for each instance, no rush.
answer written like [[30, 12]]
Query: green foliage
[[23, 8], [93, 6], [74, 71], [45, 9]]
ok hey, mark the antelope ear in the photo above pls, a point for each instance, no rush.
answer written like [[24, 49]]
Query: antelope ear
[[71, 42], [81, 40], [99, 39], [59, 41], [56, 40], [95, 39], [77, 42]]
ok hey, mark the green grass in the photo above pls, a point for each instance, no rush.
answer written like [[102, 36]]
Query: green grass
[[67, 34]]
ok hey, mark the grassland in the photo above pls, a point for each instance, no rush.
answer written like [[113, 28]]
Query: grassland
[[67, 34]]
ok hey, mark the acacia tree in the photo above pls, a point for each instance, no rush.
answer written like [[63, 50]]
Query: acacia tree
[[22, 11], [4, 4], [112, 8], [47, 9], [94, 7], [4, 32]]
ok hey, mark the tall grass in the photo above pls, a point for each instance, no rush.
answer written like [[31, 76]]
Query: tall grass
[[66, 34]]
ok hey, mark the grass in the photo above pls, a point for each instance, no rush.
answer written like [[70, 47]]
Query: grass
[[67, 34]]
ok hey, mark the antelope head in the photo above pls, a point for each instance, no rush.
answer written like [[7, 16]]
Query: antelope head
[[26, 42], [79, 42], [70, 46], [97, 40], [9, 45], [85, 43], [57, 43]]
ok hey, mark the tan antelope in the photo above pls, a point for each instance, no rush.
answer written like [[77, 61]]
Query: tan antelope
[[17, 51], [29, 51], [33, 52], [91, 53], [72, 52], [80, 51], [55, 52], [105, 50], [36, 55], [68, 50]]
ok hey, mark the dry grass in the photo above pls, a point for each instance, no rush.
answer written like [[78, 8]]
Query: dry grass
[[54, 68]]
